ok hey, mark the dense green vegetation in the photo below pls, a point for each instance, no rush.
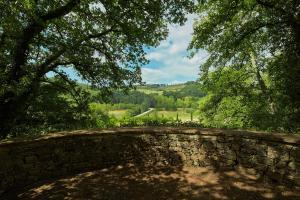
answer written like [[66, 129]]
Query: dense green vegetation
[[250, 79], [166, 101], [253, 72], [60, 107], [102, 40]]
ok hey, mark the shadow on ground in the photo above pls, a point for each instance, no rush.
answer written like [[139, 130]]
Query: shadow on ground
[[134, 169], [132, 182]]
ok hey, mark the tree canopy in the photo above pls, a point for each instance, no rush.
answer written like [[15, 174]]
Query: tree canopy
[[102, 40], [259, 40]]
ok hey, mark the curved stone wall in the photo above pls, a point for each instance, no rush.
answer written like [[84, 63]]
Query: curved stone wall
[[275, 156]]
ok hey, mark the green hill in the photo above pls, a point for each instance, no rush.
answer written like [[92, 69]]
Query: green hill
[[186, 89]]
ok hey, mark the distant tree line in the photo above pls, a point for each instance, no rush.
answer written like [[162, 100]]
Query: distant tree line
[[186, 97]]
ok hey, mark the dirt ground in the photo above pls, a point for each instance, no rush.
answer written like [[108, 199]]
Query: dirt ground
[[151, 183]]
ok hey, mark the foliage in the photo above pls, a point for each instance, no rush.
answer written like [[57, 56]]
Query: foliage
[[191, 89], [103, 41], [58, 106], [183, 114], [229, 113], [163, 102], [100, 118], [253, 69], [133, 97], [143, 121], [156, 121], [138, 102]]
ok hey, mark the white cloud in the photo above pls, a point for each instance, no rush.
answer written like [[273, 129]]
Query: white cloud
[[153, 75], [177, 48], [155, 56], [174, 65]]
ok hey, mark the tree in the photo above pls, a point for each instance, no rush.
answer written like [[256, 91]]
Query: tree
[[260, 35], [234, 100], [57, 106], [102, 40]]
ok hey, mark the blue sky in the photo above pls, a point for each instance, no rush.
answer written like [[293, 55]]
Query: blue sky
[[169, 62]]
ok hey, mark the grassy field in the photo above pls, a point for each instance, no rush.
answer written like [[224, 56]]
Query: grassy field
[[159, 90], [173, 87], [150, 91], [122, 111], [118, 113], [182, 114], [144, 88]]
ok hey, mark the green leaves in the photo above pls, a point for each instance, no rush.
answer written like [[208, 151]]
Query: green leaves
[[103, 41], [28, 4], [249, 3], [243, 39]]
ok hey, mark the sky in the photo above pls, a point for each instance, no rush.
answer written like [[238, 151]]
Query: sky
[[169, 62]]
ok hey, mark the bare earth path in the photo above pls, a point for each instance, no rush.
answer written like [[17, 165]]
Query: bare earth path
[[145, 113], [130, 182]]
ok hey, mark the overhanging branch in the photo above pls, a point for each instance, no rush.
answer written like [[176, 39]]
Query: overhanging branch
[[61, 11], [29, 32]]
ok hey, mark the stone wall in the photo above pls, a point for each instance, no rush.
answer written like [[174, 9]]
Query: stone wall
[[275, 156]]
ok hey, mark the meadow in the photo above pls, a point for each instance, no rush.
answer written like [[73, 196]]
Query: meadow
[[181, 114], [172, 102]]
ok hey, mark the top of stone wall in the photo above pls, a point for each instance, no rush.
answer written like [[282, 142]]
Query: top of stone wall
[[291, 139]]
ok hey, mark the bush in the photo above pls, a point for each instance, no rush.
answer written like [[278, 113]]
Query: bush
[[156, 121], [143, 121], [100, 117]]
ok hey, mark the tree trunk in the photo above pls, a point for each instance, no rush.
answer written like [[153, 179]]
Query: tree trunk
[[261, 82], [13, 107]]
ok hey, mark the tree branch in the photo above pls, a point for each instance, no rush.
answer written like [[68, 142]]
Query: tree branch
[[61, 11], [74, 93], [66, 89], [33, 29], [255, 29], [43, 68], [98, 35], [289, 16], [271, 6]]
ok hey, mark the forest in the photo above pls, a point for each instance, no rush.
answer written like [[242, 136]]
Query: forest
[[250, 80]]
